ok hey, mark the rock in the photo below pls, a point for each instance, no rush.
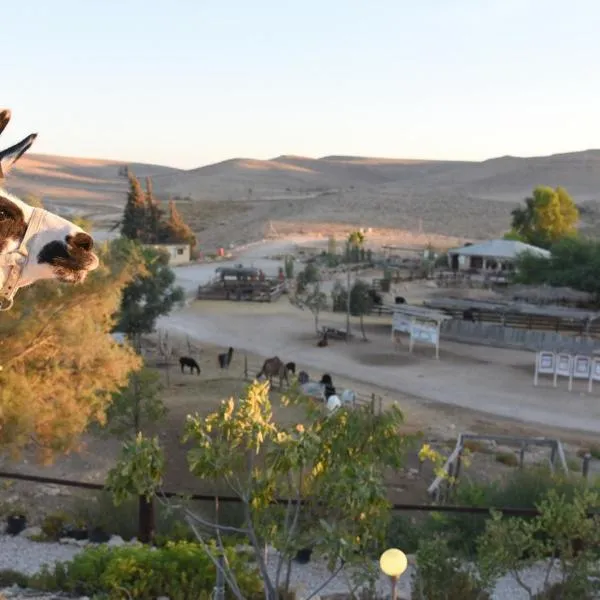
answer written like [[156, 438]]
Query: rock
[[115, 541], [48, 490], [65, 540], [31, 532]]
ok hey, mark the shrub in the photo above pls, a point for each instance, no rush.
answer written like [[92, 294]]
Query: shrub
[[180, 571], [53, 525], [440, 575], [507, 458], [8, 578]]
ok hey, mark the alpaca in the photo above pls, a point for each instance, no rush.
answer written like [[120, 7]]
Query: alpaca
[[329, 387], [272, 367], [225, 358], [291, 367], [186, 361], [303, 377], [36, 244]]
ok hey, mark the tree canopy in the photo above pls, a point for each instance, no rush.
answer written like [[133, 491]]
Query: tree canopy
[[573, 262], [149, 295], [58, 362], [548, 216], [144, 218]]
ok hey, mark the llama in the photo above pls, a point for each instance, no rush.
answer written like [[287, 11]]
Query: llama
[[187, 361], [272, 367], [36, 244], [291, 367], [225, 358]]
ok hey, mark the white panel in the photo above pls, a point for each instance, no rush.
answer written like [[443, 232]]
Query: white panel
[[546, 362], [581, 367], [563, 365]]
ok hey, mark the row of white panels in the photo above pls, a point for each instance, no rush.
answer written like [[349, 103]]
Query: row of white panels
[[572, 366]]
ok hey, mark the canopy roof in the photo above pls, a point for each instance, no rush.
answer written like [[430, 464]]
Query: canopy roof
[[499, 249]]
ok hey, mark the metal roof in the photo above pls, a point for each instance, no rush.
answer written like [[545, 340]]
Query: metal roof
[[499, 249], [521, 308]]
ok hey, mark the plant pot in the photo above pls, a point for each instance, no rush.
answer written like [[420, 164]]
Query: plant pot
[[98, 536], [303, 556], [15, 524]]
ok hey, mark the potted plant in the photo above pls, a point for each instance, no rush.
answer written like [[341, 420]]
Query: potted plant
[[76, 530], [16, 520]]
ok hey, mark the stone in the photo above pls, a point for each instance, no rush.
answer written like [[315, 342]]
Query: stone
[[30, 532], [115, 541]]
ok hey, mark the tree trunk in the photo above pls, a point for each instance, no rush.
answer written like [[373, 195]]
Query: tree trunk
[[348, 308], [362, 327], [146, 520], [317, 322]]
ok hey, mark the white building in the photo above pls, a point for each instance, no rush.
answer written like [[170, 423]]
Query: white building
[[179, 254], [493, 255]]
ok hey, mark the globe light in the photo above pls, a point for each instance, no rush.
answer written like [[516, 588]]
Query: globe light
[[393, 562]]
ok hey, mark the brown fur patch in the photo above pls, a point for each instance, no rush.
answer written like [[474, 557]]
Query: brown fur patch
[[12, 223]]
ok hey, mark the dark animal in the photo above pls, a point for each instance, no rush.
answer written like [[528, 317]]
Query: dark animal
[[323, 342], [225, 358], [187, 361], [469, 315], [274, 367], [329, 387], [291, 367], [303, 377], [400, 300]]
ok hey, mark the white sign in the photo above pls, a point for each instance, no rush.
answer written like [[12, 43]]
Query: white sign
[[426, 334], [581, 369], [546, 362], [563, 365], [594, 372], [401, 323]]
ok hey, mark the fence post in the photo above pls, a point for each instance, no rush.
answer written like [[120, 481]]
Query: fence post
[[373, 403], [220, 584], [522, 456], [585, 468], [245, 366], [380, 405]]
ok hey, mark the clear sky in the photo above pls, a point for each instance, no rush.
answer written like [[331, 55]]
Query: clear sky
[[188, 82]]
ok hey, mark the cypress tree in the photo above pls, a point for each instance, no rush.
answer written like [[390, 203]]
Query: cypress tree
[[175, 230], [154, 216], [133, 225]]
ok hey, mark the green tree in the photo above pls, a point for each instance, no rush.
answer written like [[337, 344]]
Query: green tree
[[154, 216], [355, 242], [175, 230], [136, 405], [573, 262], [134, 221], [313, 298], [59, 365], [313, 465], [548, 216], [149, 296], [361, 302]]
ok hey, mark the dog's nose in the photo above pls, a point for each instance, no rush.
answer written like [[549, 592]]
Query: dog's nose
[[81, 241]]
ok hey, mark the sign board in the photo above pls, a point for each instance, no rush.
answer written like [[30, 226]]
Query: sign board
[[581, 367], [564, 363], [594, 372], [424, 333], [545, 363], [401, 323]]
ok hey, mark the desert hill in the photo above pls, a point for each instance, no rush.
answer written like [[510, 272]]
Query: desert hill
[[457, 198]]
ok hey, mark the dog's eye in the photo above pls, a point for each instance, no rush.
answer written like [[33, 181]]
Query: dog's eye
[[3, 215]]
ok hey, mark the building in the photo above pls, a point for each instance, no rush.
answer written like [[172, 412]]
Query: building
[[493, 255], [179, 254]]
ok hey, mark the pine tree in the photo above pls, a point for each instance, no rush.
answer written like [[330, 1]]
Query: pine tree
[[154, 216], [175, 230], [59, 364], [133, 225]]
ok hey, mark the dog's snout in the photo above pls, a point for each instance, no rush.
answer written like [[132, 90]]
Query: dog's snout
[[81, 241]]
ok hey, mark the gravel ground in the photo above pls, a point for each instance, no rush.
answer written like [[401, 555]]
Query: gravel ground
[[25, 556]]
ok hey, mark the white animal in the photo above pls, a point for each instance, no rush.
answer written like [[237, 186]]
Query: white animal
[[333, 403], [36, 244], [348, 397]]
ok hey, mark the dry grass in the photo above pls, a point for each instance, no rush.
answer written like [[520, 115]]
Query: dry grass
[[507, 458]]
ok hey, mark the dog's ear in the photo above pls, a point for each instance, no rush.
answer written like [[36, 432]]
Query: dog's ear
[[11, 155], [4, 119]]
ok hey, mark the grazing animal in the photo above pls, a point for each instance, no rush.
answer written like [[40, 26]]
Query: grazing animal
[[274, 367], [399, 300], [329, 387], [291, 367], [187, 361], [303, 377], [36, 244], [469, 315], [323, 342], [225, 358], [333, 403], [376, 297]]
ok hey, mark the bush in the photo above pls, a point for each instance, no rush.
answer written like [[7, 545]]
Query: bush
[[507, 458], [180, 571], [440, 575], [8, 578]]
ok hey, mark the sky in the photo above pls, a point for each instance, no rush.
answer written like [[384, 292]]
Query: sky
[[189, 82]]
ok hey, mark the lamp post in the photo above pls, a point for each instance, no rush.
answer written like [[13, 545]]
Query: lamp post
[[393, 563]]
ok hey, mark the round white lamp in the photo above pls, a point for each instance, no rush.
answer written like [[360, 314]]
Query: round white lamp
[[393, 563]]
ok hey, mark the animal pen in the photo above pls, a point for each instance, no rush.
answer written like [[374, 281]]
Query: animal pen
[[241, 283]]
